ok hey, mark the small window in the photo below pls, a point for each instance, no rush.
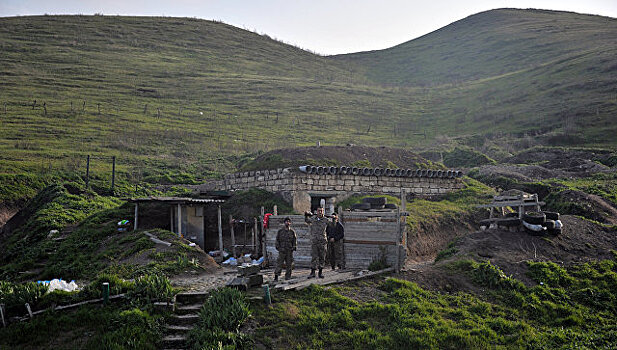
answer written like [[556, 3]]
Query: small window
[[199, 211]]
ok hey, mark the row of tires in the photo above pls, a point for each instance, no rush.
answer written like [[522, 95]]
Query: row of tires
[[536, 223], [345, 170]]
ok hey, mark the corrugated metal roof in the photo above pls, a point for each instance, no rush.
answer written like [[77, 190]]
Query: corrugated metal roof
[[184, 200]]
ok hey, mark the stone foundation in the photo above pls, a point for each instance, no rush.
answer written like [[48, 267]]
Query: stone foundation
[[298, 187]]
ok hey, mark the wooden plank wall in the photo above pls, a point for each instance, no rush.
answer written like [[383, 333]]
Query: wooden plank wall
[[366, 235]]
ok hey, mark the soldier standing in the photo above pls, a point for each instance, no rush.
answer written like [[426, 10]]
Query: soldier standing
[[286, 242], [318, 225], [336, 233]]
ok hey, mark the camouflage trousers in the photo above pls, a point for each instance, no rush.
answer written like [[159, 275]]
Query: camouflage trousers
[[285, 257], [336, 255], [318, 254]]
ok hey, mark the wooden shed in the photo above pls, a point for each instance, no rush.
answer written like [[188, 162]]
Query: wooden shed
[[368, 234]]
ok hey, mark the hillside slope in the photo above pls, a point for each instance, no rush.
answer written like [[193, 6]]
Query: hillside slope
[[188, 99], [488, 44]]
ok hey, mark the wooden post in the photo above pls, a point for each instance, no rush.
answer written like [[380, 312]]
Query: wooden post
[[233, 235], [171, 219], [254, 235], [83, 107], [136, 213], [29, 310], [98, 105], [403, 200], [45, 108], [87, 171], [179, 220], [105, 293], [220, 230], [113, 173], [33, 104], [2, 315]]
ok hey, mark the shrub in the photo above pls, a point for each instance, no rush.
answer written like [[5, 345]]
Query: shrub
[[219, 321], [150, 288], [15, 295], [116, 286]]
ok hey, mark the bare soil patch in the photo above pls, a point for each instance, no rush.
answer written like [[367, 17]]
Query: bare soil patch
[[581, 241]]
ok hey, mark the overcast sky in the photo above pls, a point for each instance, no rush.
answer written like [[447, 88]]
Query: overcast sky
[[322, 26]]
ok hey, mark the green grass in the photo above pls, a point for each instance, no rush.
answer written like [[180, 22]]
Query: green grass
[[87, 242], [90, 327], [572, 308], [452, 207]]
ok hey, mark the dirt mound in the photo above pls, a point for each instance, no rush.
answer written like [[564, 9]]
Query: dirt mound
[[583, 204], [581, 241], [338, 155], [520, 173], [424, 243], [560, 163]]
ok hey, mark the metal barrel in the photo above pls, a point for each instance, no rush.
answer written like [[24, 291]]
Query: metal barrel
[[377, 171], [367, 171], [320, 170], [355, 171], [409, 172], [398, 172], [333, 170], [305, 169]]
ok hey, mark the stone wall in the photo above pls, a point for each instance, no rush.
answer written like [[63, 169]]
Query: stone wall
[[297, 187]]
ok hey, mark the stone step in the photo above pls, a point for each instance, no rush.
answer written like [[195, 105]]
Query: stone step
[[183, 319], [177, 329], [177, 341], [187, 309], [163, 306], [191, 298]]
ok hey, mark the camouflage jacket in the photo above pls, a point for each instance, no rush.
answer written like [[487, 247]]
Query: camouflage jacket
[[286, 240], [317, 228]]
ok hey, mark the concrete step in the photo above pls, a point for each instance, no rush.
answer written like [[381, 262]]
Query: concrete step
[[179, 320], [188, 309], [176, 341], [191, 298], [177, 329], [163, 306]]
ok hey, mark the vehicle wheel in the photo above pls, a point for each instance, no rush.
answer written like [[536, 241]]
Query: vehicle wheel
[[361, 206], [549, 224], [534, 218], [375, 200]]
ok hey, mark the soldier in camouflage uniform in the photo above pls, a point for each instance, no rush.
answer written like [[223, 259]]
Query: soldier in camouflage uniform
[[286, 242], [317, 226], [336, 233]]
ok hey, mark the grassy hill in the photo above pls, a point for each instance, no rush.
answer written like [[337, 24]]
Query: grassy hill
[[179, 99], [488, 44]]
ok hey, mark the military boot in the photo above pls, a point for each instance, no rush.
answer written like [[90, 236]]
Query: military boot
[[320, 273], [312, 275]]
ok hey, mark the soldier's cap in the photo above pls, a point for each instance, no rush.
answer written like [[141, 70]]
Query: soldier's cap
[[287, 219]]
